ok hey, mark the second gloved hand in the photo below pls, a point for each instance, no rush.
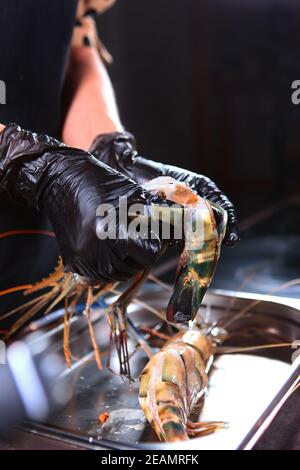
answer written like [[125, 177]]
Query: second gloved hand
[[118, 150], [71, 185]]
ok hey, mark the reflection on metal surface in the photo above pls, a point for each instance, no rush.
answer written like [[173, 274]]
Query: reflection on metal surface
[[29, 383], [240, 390], [290, 385]]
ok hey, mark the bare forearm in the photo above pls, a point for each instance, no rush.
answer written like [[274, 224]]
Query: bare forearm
[[92, 106], [1, 127]]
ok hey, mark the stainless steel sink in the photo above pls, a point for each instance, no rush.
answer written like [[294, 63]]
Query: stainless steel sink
[[245, 390]]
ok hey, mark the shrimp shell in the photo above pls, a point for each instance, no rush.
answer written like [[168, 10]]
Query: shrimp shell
[[203, 238], [173, 382]]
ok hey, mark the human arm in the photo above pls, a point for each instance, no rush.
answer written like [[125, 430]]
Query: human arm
[[90, 104]]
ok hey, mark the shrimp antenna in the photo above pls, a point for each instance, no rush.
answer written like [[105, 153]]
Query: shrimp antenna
[[237, 349], [291, 283], [11, 233]]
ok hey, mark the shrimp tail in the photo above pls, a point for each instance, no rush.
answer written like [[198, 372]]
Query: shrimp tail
[[205, 428], [160, 396], [171, 427], [198, 262], [189, 289]]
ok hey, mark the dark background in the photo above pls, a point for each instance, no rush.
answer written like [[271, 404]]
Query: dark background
[[206, 84]]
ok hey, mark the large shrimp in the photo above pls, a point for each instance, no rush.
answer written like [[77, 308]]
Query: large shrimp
[[203, 238], [173, 382]]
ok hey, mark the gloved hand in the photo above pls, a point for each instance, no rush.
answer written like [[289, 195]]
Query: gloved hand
[[118, 150], [70, 185]]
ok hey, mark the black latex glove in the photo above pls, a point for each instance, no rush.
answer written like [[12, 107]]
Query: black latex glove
[[118, 150], [70, 184]]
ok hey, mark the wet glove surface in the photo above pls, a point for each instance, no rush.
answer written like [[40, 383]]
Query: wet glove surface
[[70, 184], [118, 150]]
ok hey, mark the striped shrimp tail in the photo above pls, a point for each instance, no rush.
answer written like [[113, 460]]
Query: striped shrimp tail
[[163, 396]]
